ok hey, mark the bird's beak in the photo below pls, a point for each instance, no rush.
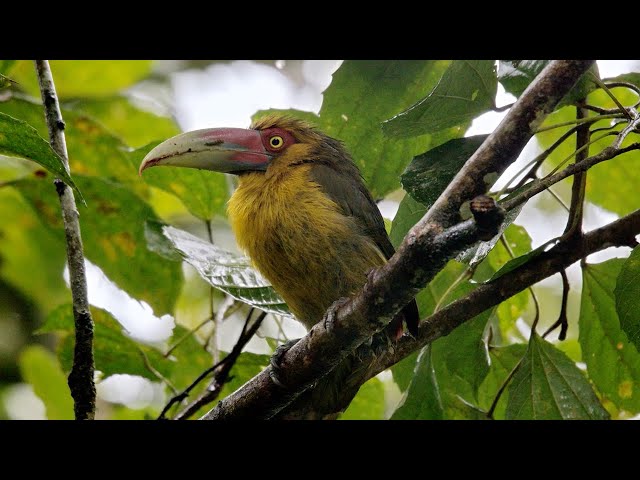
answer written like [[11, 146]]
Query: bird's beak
[[227, 150]]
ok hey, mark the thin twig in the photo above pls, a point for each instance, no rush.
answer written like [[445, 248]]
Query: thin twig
[[465, 275], [502, 108], [155, 371], [80, 380], [578, 122], [502, 388], [229, 358], [578, 188], [601, 84], [542, 184], [558, 198], [562, 320], [536, 304], [222, 375]]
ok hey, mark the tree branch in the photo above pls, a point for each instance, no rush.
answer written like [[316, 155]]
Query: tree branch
[[622, 232], [80, 380], [424, 251]]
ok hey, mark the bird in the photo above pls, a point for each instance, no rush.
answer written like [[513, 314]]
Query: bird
[[305, 218]]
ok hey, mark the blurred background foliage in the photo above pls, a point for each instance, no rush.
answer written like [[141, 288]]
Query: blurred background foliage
[[159, 321]]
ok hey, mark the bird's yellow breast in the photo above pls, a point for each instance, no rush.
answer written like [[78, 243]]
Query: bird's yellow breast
[[301, 242]]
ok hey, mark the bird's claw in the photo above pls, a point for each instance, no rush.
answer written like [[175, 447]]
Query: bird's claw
[[276, 360], [330, 319]]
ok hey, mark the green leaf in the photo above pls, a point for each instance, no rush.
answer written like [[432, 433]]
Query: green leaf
[[516, 75], [503, 360], [548, 386], [204, 193], [40, 368], [422, 400], [519, 242], [191, 359], [27, 246], [19, 139], [408, 214], [134, 125], [361, 96], [114, 352], [461, 360], [403, 371], [368, 404], [6, 66], [429, 174], [114, 238], [467, 89], [627, 294], [458, 362], [92, 149], [613, 362], [631, 77], [222, 269], [84, 78], [521, 260]]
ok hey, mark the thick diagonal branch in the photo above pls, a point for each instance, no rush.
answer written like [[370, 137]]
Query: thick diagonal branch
[[80, 381], [423, 252], [622, 232]]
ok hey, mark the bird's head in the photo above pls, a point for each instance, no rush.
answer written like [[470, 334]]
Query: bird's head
[[274, 141]]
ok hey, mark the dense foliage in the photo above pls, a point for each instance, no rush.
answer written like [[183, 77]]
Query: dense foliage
[[404, 123]]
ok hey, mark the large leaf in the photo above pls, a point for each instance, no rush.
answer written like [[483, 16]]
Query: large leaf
[[134, 125], [368, 404], [467, 89], [458, 362], [627, 294], [19, 139], [516, 75], [84, 78], [41, 369], [222, 269], [461, 360], [204, 193], [429, 174], [27, 246], [92, 149], [404, 370], [613, 362], [114, 352], [114, 238], [365, 93], [548, 385], [422, 399]]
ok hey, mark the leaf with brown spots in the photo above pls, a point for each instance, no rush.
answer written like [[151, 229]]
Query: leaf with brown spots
[[113, 236], [613, 362]]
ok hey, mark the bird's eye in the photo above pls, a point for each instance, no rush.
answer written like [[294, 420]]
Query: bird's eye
[[276, 141]]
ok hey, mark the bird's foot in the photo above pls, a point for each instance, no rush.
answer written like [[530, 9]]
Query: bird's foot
[[330, 318], [276, 360]]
